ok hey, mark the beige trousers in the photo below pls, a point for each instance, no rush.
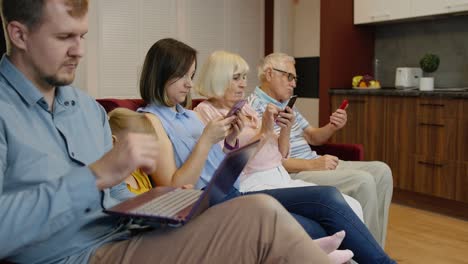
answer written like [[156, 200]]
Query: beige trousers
[[249, 229], [369, 182]]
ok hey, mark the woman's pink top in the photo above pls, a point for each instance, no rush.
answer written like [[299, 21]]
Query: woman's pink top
[[267, 157]]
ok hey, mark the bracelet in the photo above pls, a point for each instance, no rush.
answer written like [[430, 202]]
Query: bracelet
[[229, 147]]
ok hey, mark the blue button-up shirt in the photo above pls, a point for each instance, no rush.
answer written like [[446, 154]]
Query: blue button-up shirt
[[50, 208]]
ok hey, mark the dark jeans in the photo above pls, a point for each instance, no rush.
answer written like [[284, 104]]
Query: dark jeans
[[326, 206]]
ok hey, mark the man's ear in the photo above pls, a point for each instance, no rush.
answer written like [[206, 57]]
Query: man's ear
[[18, 34], [269, 74], [114, 139]]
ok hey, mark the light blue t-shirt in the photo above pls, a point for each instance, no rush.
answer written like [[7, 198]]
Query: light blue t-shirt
[[50, 207], [299, 147]]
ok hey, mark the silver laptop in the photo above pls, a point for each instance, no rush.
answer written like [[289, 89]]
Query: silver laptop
[[177, 206]]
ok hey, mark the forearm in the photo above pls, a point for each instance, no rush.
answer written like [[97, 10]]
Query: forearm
[[319, 136], [190, 171], [283, 143], [298, 165], [45, 209]]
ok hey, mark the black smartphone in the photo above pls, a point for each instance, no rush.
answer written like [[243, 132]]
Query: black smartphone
[[237, 107], [291, 101]]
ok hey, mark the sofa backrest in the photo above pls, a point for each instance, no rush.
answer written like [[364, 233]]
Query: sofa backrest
[[110, 104]]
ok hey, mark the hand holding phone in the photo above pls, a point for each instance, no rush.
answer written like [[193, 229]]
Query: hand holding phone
[[291, 101], [344, 104], [237, 107]]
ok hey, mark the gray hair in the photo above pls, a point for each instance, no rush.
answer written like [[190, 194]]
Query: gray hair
[[274, 60]]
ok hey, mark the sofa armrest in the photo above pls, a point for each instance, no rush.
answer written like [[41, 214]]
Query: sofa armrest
[[351, 152]]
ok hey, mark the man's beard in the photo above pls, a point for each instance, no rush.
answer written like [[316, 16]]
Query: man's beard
[[55, 81]]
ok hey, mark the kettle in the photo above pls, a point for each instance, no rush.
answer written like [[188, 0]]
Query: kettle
[[407, 77]]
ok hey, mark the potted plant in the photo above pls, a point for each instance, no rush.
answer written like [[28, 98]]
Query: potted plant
[[429, 63]]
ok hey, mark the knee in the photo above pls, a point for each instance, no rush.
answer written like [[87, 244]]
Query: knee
[[260, 202], [384, 174], [330, 195], [365, 183]]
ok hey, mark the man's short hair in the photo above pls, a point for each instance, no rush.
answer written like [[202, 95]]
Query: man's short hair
[[217, 72], [29, 12], [274, 60]]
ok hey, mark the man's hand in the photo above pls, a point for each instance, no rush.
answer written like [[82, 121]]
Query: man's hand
[[268, 119], [338, 119], [286, 119], [325, 162], [133, 151]]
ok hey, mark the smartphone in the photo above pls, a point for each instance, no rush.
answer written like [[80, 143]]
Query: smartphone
[[344, 104], [291, 101], [238, 106]]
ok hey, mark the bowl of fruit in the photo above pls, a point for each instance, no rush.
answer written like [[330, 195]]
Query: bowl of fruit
[[365, 82]]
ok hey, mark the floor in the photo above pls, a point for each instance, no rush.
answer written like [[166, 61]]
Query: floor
[[416, 236]]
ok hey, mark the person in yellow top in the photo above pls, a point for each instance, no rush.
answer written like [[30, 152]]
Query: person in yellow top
[[122, 121]]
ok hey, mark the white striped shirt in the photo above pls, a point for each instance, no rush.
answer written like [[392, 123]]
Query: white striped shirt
[[299, 148]]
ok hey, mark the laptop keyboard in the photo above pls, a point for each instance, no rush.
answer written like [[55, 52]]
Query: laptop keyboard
[[169, 204]]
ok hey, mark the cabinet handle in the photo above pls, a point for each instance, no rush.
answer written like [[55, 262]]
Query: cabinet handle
[[432, 164], [457, 6], [434, 105], [429, 124], [380, 16]]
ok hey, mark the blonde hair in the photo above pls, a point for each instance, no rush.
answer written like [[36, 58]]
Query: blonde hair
[[217, 71], [126, 120], [274, 60]]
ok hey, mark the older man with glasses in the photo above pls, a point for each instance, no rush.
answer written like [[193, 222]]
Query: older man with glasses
[[368, 182]]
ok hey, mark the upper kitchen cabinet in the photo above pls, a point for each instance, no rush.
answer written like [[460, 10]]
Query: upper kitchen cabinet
[[436, 7], [370, 11]]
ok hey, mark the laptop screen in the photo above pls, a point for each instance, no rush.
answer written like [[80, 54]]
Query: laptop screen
[[228, 172]]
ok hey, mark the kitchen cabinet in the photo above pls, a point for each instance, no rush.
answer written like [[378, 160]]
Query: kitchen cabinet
[[463, 132], [462, 183], [428, 8], [365, 111], [424, 140], [436, 127], [434, 176], [399, 124], [369, 11]]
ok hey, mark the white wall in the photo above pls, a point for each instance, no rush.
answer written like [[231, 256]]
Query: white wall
[[297, 32], [306, 43], [121, 32], [306, 28], [283, 18]]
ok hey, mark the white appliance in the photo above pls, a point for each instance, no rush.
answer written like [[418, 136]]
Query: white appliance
[[407, 78]]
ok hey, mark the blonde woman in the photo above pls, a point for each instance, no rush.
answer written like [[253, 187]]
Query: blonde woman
[[223, 80]]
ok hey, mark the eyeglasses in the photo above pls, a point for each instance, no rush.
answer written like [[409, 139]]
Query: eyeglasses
[[290, 76]]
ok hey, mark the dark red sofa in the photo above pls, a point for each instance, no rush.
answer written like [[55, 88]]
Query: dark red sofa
[[353, 152]]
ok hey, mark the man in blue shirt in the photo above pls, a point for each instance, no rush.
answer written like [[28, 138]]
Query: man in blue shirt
[[370, 183], [57, 163]]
